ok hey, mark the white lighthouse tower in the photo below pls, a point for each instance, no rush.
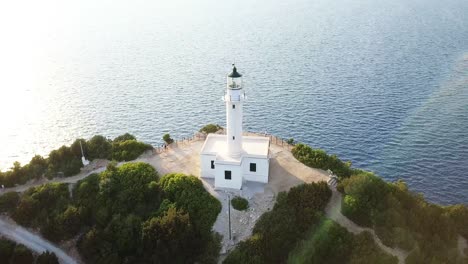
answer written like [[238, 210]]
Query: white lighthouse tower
[[233, 159], [234, 98]]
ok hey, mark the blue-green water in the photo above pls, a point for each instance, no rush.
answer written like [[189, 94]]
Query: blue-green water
[[381, 83]]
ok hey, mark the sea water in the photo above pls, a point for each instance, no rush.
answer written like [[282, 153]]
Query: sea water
[[383, 84]]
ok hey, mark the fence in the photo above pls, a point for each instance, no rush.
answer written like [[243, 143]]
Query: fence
[[287, 144], [184, 140]]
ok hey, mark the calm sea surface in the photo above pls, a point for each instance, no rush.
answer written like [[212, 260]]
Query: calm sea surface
[[381, 83]]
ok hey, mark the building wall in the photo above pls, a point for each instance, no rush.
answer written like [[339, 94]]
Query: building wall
[[261, 174], [236, 176], [234, 120], [205, 166]]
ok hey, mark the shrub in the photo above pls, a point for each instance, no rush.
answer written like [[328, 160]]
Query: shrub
[[167, 138], [128, 149], [124, 137], [239, 203], [210, 128], [170, 238], [188, 193], [99, 147], [47, 258], [9, 201], [403, 219], [22, 255], [278, 231], [318, 158], [6, 249]]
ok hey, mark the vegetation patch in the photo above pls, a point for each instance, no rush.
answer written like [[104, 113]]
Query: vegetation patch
[[167, 138], [127, 214], [210, 128], [13, 253], [329, 242], [239, 203], [278, 231], [318, 158], [404, 219], [66, 161]]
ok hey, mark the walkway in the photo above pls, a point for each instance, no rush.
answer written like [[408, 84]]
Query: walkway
[[14, 232], [333, 211]]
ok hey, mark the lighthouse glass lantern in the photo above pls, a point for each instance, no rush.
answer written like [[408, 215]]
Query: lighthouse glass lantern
[[234, 79]]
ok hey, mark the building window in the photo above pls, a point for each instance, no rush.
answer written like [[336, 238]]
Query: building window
[[212, 164], [227, 175], [233, 106], [253, 167], [233, 138]]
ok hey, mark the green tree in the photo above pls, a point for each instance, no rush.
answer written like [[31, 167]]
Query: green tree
[[22, 255], [9, 201], [124, 137], [70, 221], [37, 167], [210, 128], [128, 150], [188, 193], [167, 138], [99, 147], [6, 249], [170, 238], [47, 258]]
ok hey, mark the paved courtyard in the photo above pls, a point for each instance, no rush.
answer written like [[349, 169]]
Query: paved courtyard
[[285, 172]]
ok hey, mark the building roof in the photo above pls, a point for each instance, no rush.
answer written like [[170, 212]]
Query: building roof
[[234, 73], [256, 147]]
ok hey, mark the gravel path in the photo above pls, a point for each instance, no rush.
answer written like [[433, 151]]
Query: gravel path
[[333, 211], [13, 231]]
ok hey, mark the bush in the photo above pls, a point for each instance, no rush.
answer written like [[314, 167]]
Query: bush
[[47, 258], [278, 231], [210, 128], [170, 238], [22, 255], [239, 203], [128, 149], [9, 201], [188, 193], [403, 219], [124, 137], [119, 213], [66, 161], [318, 158], [41, 207], [167, 138], [99, 147], [6, 249]]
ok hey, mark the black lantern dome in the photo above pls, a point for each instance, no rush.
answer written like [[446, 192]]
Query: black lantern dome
[[234, 73]]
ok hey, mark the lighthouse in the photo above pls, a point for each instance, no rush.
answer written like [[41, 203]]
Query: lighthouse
[[234, 98], [234, 159]]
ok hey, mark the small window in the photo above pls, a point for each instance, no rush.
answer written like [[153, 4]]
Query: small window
[[233, 138], [233, 106], [253, 167], [227, 175], [212, 164]]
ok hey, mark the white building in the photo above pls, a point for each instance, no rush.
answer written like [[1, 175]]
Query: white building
[[232, 159]]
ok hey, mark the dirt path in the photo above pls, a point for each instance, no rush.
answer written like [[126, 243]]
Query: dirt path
[[13, 231], [333, 211]]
